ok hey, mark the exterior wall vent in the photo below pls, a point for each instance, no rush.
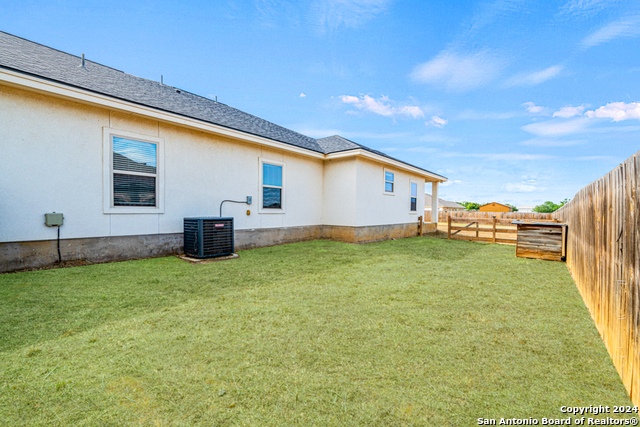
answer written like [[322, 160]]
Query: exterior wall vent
[[208, 237]]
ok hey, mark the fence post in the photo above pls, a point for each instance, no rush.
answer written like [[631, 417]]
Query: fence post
[[448, 226], [494, 230], [477, 228], [420, 226]]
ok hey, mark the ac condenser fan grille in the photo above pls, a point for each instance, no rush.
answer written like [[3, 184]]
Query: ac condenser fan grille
[[208, 237]]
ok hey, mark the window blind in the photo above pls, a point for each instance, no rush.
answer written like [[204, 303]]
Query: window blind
[[271, 175], [138, 187], [134, 190]]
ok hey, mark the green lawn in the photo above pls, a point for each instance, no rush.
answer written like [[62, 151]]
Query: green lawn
[[418, 331]]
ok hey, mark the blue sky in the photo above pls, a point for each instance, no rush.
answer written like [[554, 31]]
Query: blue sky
[[514, 101]]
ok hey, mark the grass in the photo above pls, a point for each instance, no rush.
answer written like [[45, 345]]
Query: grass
[[417, 331]]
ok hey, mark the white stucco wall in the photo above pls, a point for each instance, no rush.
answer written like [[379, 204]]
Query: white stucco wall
[[354, 194], [339, 205], [53, 161], [374, 206]]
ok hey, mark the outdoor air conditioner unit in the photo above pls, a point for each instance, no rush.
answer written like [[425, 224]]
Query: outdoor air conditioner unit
[[208, 237]]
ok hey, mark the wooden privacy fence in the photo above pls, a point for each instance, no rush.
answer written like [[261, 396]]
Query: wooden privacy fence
[[603, 257], [511, 216]]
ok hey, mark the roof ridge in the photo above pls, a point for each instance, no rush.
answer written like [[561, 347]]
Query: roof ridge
[[66, 53]]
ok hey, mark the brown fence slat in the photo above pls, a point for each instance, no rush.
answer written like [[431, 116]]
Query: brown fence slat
[[603, 257], [500, 216]]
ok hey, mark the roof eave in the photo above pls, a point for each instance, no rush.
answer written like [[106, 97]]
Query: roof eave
[[429, 176], [45, 86]]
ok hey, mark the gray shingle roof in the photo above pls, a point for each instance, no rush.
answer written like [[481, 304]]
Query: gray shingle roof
[[336, 143], [442, 203], [35, 59]]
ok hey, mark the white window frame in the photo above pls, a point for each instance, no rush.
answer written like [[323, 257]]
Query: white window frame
[[384, 182], [411, 182], [107, 174], [262, 210]]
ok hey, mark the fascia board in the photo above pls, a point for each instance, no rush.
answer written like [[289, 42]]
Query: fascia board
[[431, 177], [60, 90]]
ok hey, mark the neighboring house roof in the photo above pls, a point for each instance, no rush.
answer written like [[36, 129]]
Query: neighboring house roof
[[442, 203], [496, 203], [31, 58]]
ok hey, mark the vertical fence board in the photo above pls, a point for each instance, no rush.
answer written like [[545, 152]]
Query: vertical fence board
[[603, 258], [522, 216]]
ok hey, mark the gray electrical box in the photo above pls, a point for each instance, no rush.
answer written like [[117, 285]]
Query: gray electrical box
[[53, 219]]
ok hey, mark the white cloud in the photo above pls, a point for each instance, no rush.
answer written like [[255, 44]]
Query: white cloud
[[302, 95], [535, 77], [566, 112], [553, 128], [382, 106], [537, 142], [548, 130], [487, 13], [584, 7], [519, 188], [536, 110], [626, 27], [459, 72], [617, 111], [329, 15], [437, 122]]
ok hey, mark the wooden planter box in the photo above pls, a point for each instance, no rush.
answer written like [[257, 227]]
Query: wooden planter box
[[541, 240]]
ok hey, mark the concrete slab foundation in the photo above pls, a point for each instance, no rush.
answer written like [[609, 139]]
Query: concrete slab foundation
[[15, 256]]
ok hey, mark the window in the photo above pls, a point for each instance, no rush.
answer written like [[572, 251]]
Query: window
[[135, 168], [132, 173], [414, 197], [272, 179], [388, 181]]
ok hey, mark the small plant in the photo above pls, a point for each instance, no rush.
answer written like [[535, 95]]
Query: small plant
[[33, 352]]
